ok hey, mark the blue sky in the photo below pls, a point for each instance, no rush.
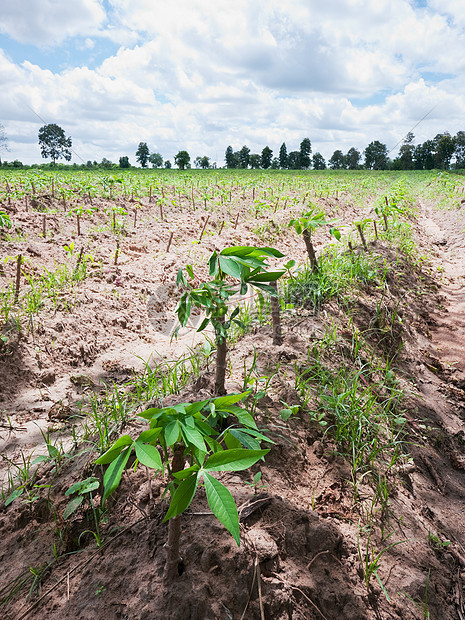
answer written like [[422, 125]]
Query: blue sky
[[180, 75]]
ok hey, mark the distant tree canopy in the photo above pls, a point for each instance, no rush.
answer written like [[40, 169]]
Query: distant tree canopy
[[376, 156], [267, 156], [283, 156], [3, 140], [254, 161], [460, 149], [142, 154], [124, 162], [353, 158], [305, 150], [244, 157], [230, 158], [202, 162], [337, 160], [53, 143], [156, 160], [293, 160], [318, 161], [182, 160]]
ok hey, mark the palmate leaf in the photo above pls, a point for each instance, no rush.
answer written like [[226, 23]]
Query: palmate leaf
[[222, 505]]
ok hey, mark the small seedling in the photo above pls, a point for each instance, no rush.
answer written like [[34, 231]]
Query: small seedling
[[288, 411], [243, 263]]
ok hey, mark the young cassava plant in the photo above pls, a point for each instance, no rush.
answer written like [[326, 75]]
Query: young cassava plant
[[191, 431], [305, 225], [233, 270]]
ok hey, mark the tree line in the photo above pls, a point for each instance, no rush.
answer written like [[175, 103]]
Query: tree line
[[437, 152]]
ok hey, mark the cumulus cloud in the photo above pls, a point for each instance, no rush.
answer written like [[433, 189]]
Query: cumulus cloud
[[49, 22], [186, 76]]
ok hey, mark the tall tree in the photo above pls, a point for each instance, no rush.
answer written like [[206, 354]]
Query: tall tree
[[337, 160], [202, 162], [353, 158], [3, 141], [53, 143], [460, 149], [376, 156], [244, 156], [423, 155], [305, 150], [182, 160], [318, 161], [283, 156], [445, 148], [230, 158], [254, 161], [142, 154], [406, 152], [267, 156], [156, 160], [293, 160]]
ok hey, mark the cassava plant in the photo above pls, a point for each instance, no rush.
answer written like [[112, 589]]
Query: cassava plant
[[191, 431], [233, 270], [306, 224]]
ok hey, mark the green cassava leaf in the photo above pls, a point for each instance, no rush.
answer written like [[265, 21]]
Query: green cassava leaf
[[148, 455], [222, 505], [269, 276], [251, 443], [231, 267], [72, 505], [180, 279], [113, 474], [111, 454], [149, 436], [230, 399], [83, 486], [182, 497], [172, 433], [192, 436], [233, 460]]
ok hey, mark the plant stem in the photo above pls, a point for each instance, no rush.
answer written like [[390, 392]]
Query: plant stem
[[310, 250], [362, 237], [174, 526], [276, 317], [220, 371], [18, 277]]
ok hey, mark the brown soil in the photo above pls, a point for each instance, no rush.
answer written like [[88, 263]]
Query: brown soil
[[300, 547]]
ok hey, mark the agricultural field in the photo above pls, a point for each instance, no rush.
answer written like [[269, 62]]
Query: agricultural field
[[232, 394]]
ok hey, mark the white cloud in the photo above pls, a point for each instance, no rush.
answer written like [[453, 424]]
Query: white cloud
[[49, 22], [191, 76]]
